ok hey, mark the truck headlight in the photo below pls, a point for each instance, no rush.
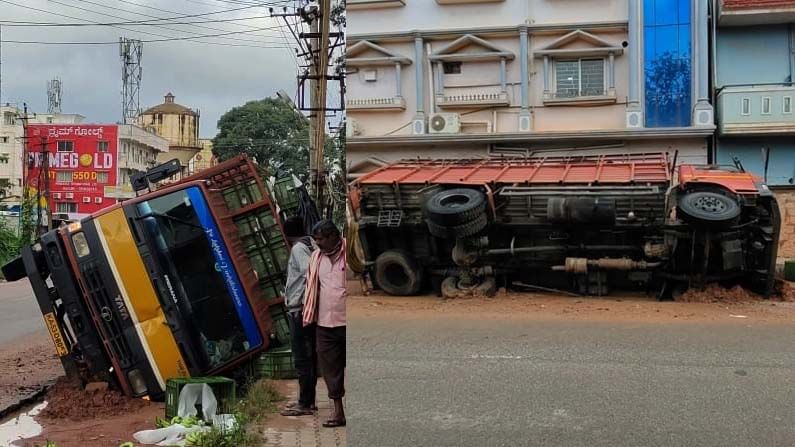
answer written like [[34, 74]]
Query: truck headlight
[[81, 244], [137, 382]]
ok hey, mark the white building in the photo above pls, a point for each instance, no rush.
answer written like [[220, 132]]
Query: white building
[[471, 78], [12, 145]]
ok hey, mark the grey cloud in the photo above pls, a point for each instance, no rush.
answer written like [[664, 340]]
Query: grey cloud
[[207, 77]]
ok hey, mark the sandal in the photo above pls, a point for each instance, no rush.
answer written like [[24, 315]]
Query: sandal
[[297, 405], [297, 411], [332, 423]]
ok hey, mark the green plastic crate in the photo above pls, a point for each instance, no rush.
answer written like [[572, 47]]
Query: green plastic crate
[[285, 194], [280, 329], [277, 364], [223, 388], [789, 270]]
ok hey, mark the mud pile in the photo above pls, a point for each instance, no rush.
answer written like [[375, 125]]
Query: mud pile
[[68, 400], [714, 293]]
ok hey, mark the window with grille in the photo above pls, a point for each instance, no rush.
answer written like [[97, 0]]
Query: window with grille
[[102, 177], [582, 77], [66, 207], [63, 176], [66, 146], [102, 146]]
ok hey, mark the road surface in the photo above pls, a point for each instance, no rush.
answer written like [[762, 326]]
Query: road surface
[[27, 356], [19, 313], [493, 376]]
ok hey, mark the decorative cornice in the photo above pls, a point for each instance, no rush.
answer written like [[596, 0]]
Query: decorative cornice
[[509, 31]]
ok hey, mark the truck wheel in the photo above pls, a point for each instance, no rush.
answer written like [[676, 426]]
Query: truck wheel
[[470, 228], [458, 231], [455, 206], [397, 273], [708, 207]]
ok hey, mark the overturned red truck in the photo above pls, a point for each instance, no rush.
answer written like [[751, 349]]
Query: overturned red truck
[[586, 224]]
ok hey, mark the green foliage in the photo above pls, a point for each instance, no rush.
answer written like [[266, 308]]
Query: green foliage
[[259, 401], [270, 131], [334, 154]]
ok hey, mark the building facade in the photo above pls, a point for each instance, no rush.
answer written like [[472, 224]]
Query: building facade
[[177, 124], [12, 146], [754, 70], [470, 78], [79, 169]]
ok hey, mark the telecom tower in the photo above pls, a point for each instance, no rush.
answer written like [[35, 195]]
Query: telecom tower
[[130, 52], [54, 96]]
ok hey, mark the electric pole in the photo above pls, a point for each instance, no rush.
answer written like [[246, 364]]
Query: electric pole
[[315, 48]]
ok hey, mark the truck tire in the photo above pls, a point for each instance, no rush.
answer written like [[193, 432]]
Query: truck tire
[[455, 206], [470, 228], [708, 207], [397, 273], [458, 231]]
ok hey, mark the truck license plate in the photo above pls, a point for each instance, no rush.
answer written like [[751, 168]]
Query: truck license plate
[[55, 333]]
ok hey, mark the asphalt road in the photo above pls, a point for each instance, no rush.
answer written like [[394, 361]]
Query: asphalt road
[[19, 313], [452, 381]]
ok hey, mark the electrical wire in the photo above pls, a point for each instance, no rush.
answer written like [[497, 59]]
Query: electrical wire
[[142, 32], [165, 37], [20, 23]]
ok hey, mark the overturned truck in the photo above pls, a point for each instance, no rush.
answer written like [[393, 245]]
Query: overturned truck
[[585, 224], [179, 281]]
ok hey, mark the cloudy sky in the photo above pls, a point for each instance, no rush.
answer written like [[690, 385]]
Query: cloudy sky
[[211, 78]]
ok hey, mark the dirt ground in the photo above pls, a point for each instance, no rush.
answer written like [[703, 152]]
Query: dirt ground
[[25, 366], [717, 305]]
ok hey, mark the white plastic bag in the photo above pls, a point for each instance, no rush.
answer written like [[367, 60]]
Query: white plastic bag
[[168, 436], [191, 394]]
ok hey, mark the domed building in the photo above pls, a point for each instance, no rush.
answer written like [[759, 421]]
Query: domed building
[[177, 124]]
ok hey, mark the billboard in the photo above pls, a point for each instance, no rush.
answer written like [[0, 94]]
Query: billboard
[[80, 161]]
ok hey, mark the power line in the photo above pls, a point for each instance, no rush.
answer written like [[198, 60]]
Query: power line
[[124, 18], [22, 23], [142, 21], [172, 29], [168, 39]]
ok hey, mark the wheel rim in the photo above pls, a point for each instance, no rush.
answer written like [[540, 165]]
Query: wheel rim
[[710, 204], [454, 201], [396, 275]]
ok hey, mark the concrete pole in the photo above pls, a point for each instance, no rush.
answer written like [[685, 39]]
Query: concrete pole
[[524, 114]]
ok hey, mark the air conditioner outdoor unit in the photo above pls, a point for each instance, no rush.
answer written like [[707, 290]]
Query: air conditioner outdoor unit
[[86, 199], [444, 123], [98, 200], [56, 195], [352, 128], [69, 195]]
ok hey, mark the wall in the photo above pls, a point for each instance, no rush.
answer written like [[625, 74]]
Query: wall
[[691, 150], [786, 204], [428, 15], [178, 129], [766, 48]]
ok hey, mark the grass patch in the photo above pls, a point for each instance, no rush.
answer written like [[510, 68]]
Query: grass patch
[[259, 401]]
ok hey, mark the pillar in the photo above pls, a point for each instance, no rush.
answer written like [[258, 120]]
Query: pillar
[[634, 115], [702, 113], [418, 124], [524, 114], [398, 84]]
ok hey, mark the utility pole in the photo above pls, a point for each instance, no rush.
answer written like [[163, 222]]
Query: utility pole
[[316, 48]]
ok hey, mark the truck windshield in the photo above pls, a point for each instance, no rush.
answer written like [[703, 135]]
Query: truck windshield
[[198, 274]]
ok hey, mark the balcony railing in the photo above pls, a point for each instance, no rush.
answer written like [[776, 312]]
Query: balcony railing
[[388, 104], [371, 4], [592, 96], [473, 99], [756, 110]]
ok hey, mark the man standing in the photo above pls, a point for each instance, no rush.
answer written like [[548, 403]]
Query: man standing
[[325, 306], [302, 337]]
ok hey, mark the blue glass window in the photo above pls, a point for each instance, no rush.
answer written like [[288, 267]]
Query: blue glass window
[[667, 62]]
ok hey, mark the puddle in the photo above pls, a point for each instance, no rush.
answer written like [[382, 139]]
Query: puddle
[[21, 426]]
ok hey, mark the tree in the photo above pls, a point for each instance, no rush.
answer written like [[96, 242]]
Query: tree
[[270, 131]]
